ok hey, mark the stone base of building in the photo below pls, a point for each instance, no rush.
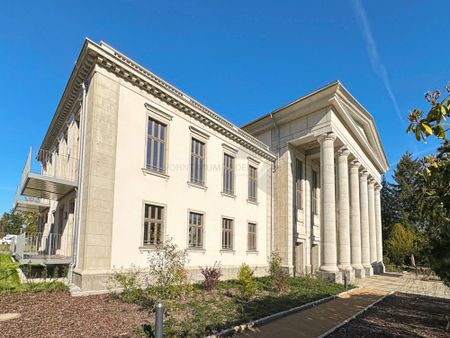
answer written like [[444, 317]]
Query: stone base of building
[[92, 283], [347, 275], [359, 271]]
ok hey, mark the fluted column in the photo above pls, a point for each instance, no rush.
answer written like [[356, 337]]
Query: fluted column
[[372, 222], [355, 220], [365, 239], [328, 210], [379, 228], [344, 262]]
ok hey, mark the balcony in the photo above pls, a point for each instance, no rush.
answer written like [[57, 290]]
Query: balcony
[[51, 177], [29, 204], [40, 248]]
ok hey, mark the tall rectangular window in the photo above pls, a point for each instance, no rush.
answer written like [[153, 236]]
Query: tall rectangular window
[[197, 162], [156, 145], [252, 183], [298, 183], [228, 174], [314, 206], [153, 224], [251, 237], [227, 234], [195, 230]]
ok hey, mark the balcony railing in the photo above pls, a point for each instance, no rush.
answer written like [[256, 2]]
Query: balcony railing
[[26, 203], [40, 247], [53, 175]]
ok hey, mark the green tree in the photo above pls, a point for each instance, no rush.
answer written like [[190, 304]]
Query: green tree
[[435, 180], [390, 208], [400, 244], [17, 222]]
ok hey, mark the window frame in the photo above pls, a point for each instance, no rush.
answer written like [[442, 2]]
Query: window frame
[[299, 190], [202, 141], [233, 174], [255, 233], [252, 180], [191, 211], [165, 142], [222, 219], [143, 246]]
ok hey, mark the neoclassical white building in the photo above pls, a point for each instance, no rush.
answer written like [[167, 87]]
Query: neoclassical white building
[[129, 161]]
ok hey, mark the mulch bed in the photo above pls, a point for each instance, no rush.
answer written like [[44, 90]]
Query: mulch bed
[[60, 315], [401, 315]]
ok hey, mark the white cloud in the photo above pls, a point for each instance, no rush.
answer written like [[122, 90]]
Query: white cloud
[[374, 57]]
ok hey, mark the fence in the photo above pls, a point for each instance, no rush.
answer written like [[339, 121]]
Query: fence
[[42, 245]]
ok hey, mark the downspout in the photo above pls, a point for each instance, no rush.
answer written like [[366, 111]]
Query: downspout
[[272, 184], [79, 190]]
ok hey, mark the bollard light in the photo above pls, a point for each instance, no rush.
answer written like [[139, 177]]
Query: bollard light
[[159, 319]]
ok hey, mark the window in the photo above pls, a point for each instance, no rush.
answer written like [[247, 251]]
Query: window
[[228, 174], [153, 224], [197, 162], [156, 145], [251, 237], [314, 206], [227, 234], [195, 230], [298, 183], [252, 183]]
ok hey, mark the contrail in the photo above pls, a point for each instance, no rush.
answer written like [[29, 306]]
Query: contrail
[[372, 50]]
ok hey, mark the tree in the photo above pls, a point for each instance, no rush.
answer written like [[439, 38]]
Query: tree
[[400, 244], [17, 222], [390, 208], [435, 180]]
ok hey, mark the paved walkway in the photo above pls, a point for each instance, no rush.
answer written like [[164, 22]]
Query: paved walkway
[[406, 283], [319, 319]]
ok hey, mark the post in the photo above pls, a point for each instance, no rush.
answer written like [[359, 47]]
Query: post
[[159, 318]]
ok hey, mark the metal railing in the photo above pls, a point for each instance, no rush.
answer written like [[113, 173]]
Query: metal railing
[[19, 198], [58, 164], [40, 244]]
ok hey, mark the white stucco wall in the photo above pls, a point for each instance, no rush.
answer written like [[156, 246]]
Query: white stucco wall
[[133, 187]]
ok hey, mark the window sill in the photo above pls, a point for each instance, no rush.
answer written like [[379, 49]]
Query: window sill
[[227, 251], [146, 171], [252, 202], [147, 248], [226, 194], [202, 250], [197, 185], [252, 252]]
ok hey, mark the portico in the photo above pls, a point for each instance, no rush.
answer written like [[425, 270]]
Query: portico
[[328, 177]]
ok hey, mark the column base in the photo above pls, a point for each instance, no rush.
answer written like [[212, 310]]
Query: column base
[[360, 272], [330, 276], [347, 273], [368, 270], [378, 268]]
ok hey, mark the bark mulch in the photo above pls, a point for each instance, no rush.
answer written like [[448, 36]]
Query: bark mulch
[[401, 315], [60, 315]]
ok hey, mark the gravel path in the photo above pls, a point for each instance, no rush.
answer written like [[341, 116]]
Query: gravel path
[[60, 315]]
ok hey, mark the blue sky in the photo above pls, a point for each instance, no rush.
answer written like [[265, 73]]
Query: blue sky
[[240, 58]]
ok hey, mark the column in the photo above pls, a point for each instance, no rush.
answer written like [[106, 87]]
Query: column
[[372, 220], [365, 239], [379, 228], [355, 220], [344, 212], [328, 210]]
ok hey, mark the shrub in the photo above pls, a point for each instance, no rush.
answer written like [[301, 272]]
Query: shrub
[[279, 278], [130, 284], [247, 283], [167, 272], [211, 275]]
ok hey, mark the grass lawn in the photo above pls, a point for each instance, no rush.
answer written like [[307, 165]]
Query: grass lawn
[[10, 282], [4, 248], [201, 313]]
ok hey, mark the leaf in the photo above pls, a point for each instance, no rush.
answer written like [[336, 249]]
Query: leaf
[[426, 127]]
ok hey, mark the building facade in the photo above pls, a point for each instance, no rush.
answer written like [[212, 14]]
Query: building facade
[[130, 161]]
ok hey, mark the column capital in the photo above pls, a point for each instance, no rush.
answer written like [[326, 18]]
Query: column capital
[[326, 136], [371, 180], [363, 174], [378, 186], [355, 164], [343, 151]]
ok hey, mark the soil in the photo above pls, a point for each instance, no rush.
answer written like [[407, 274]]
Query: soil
[[58, 314], [401, 315]]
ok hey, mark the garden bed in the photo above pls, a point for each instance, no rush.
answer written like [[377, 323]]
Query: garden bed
[[401, 315]]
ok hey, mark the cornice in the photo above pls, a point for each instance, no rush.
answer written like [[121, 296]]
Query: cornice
[[108, 58]]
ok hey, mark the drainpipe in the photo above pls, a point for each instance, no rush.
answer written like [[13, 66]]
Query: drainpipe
[[272, 182], [79, 190], [278, 139]]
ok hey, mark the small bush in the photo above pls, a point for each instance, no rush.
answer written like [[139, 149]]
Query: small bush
[[167, 272], [278, 276], [247, 283], [211, 275], [131, 286]]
